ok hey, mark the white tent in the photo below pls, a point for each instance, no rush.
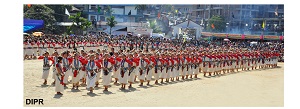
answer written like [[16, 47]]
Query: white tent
[[188, 24]]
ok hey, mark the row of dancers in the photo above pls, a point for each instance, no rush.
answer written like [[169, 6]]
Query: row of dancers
[[161, 65]]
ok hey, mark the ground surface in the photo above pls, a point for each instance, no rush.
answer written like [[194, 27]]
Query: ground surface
[[251, 88]]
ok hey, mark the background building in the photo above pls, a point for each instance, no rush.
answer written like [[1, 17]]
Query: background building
[[246, 19]]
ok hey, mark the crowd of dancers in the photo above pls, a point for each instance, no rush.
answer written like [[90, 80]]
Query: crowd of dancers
[[157, 65], [92, 60]]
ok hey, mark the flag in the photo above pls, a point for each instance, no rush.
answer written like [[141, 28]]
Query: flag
[[212, 26], [264, 24], [99, 9], [28, 5], [67, 12], [129, 12]]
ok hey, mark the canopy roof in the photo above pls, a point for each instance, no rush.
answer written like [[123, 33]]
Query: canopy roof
[[30, 24]]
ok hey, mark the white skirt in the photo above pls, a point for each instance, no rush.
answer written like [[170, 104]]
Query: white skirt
[[124, 80], [67, 74], [205, 69], [137, 71], [45, 74], [183, 72], [172, 73], [131, 76], [142, 77], [98, 75], [164, 73], [77, 78], [149, 75], [91, 80], [116, 73], [168, 73], [196, 71], [249, 64], [157, 75], [267, 62], [82, 74], [106, 79], [263, 63], [245, 64], [190, 72], [58, 87], [54, 72], [210, 69]]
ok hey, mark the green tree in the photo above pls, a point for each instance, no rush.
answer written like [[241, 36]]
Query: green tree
[[60, 11], [153, 25], [79, 23], [111, 22], [41, 12], [108, 10], [141, 8], [218, 22]]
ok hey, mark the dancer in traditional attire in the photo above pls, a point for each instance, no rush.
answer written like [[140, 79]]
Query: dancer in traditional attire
[[116, 68], [177, 66], [46, 67], [66, 67], [55, 58], [142, 68], [59, 77], [107, 67], [150, 69], [205, 63], [76, 66], [183, 66], [158, 67], [125, 65], [132, 69], [91, 73]]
